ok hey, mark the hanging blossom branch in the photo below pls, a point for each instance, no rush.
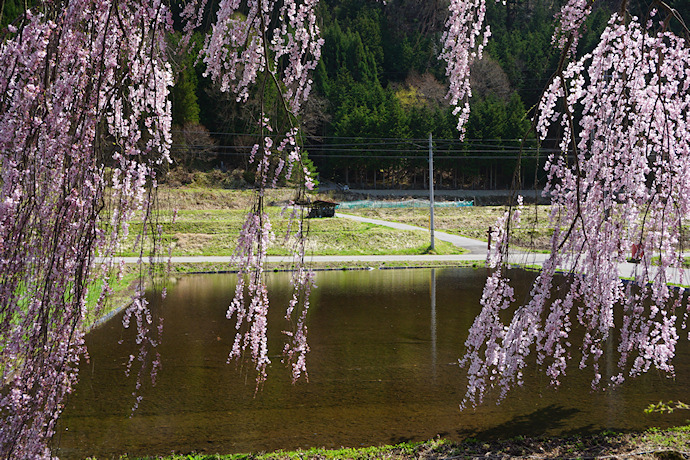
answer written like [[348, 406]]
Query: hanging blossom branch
[[84, 122], [302, 281], [463, 43], [256, 45], [83, 110], [496, 297], [620, 182], [569, 23]]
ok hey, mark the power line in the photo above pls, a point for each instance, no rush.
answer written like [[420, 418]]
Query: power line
[[392, 151], [402, 157], [363, 139]]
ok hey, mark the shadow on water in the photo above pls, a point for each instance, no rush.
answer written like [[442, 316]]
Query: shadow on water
[[537, 423]]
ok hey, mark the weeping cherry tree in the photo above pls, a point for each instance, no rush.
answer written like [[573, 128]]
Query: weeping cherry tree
[[85, 127], [618, 185]]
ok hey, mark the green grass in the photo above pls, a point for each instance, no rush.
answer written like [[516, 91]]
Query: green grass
[[122, 290], [670, 439], [653, 443], [215, 232], [376, 452]]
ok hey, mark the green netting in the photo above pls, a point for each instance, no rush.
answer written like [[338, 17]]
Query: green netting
[[402, 204]]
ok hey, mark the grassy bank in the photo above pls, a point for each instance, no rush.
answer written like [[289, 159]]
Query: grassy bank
[[217, 267], [654, 444], [122, 291], [208, 222]]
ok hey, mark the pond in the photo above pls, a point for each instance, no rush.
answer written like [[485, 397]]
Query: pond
[[383, 369]]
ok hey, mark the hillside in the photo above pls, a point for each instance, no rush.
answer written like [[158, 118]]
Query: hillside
[[379, 91]]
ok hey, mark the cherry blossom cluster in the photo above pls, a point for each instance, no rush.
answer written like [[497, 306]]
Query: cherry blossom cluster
[[569, 23], [254, 45], [463, 40], [250, 308], [484, 342], [83, 111], [619, 186], [246, 41], [302, 281]]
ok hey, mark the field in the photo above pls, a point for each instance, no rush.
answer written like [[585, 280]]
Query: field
[[472, 222], [208, 222]]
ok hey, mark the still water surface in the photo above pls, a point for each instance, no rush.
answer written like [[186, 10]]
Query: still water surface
[[382, 369]]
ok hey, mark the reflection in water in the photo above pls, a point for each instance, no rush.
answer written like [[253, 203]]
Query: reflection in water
[[382, 369], [433, 322]]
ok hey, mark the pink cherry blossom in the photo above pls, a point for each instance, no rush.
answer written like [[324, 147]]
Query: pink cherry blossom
[[619, 181]]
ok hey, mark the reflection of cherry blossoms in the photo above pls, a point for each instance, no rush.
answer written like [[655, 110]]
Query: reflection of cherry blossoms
[[622, 178]]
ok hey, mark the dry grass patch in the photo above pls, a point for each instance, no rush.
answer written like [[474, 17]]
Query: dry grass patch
[[217, 198], [471, 221], [191, 243]]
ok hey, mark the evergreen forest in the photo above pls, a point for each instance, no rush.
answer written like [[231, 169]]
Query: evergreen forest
[[379, 93]]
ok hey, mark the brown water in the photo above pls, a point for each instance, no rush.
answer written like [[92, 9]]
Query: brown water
[[381, 370]]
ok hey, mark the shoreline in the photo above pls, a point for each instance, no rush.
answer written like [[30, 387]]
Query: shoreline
[[653, 443]]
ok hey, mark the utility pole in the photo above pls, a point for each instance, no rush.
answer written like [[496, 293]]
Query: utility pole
[[431, 193]]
